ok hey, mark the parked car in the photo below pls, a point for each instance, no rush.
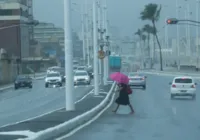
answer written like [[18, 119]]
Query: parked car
[[23, 81]]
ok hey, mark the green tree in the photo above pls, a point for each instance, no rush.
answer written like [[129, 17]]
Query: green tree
[[151, 12], [148, 29]]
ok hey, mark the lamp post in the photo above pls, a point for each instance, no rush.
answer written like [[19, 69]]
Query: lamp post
[[69, 87], [95, 49]]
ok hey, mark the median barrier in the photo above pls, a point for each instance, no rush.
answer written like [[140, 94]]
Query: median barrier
[[166, 73], [75, 122]]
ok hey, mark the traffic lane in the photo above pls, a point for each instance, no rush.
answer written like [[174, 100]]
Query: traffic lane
[[51, 99], [154, 117], [37, 85]]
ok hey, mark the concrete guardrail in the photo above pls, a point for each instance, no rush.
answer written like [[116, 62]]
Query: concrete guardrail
[[75, 122]]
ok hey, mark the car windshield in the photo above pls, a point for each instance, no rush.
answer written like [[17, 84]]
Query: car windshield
[[183, 80], [80, 73], [81, 68], [133, 74], [53, 75], [21, 77]]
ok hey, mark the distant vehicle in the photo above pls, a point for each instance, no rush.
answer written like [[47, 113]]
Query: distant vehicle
[[53, 69], [90, 72], [137, 80], [75, 63], [81, 77], [53, 78], [183, 86], [84, 68], [23, 81]]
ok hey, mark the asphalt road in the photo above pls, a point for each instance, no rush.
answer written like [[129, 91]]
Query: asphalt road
[[21, 104], [156, 117]]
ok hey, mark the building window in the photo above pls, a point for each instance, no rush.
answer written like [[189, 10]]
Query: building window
[[4, 12]]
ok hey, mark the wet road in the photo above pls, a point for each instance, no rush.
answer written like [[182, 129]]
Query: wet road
[[21, 104], [156, 117]]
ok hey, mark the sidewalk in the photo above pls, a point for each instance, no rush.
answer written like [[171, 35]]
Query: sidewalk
[[52, 119]]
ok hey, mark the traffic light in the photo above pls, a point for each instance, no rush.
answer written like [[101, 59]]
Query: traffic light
[[172, 21]]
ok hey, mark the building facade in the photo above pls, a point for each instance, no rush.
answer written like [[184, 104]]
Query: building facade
[[14, 34], [48, 33]]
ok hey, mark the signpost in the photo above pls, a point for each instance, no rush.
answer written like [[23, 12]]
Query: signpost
[[101, 54]]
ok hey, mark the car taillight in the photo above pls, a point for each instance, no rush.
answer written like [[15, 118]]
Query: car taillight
[[173, 85], [193, 86], [142, 78]]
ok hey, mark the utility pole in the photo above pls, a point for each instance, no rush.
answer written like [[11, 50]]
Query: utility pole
[[69, 87], [83, 33], [197, 35], [177, 34], [95, 49], [101, 42], [107, 42], [86, 32]]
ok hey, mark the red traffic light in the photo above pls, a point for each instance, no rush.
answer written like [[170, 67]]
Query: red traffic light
[[169, 21], [172, 21]]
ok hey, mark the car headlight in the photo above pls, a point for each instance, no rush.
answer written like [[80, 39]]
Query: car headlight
[[87, 78]]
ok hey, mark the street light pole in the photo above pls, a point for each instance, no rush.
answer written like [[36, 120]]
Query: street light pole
[[107, 46], [95, 49], [188, 26], [104, 49], [178, 38], [83, 33], [197, 34], [99, 36], [86, 32], [69, 84]]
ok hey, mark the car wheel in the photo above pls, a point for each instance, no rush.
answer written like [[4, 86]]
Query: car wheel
[[30, 86], [60, 84], [172, 96], [46, 85], [16, 87], [144, 87]]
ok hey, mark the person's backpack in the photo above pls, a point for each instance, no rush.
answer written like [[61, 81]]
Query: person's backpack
[[129, 90]]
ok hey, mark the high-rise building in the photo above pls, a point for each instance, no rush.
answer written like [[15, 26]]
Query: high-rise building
[[14, 34]]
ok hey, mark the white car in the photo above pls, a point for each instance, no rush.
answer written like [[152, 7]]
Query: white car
[[53, 78], [81, 77], [53, 69], [183, 86]]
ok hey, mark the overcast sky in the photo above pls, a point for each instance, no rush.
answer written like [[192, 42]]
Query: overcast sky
[[123, 14]]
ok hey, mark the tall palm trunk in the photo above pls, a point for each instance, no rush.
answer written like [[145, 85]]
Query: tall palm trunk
[[160, 50], [148, 47], [144, 53], [154, 48]]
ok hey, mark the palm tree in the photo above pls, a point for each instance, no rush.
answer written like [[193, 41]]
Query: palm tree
[[148, 29], [151, 12], [144, 37], [140, 33]]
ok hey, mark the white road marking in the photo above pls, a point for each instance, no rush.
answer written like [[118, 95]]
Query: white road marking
[[27, 133], [99, 96], [89, 122], [48, 112]]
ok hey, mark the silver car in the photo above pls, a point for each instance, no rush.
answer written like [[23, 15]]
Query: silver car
[[137, 80]]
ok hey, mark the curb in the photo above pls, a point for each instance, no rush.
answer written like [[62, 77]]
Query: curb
[[196, 76], [75, 122], [11, 86]]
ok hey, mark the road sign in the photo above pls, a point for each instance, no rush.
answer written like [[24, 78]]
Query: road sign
[[101, 54]]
